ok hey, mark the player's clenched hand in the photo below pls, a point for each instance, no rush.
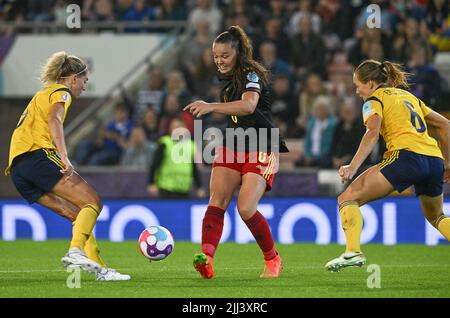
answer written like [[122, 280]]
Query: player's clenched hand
[[447, 175], [346, 172], [68, 168], [198, 108]]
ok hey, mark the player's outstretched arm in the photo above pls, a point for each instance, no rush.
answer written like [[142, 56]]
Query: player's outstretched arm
[[245, 106]]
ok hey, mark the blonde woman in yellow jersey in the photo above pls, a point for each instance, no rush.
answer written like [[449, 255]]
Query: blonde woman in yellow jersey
[[412, 157], [41, 170]]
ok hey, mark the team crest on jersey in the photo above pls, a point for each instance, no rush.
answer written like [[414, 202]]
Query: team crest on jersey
[[65, 97], [367, 109], [367, 106], [253, 77]]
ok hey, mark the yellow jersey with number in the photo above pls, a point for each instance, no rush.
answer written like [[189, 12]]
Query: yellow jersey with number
[[32, 131], [403, 121]]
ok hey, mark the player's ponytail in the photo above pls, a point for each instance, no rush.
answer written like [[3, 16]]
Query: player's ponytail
[[397, 77], [387, 73], [61, 65], [239, 40]]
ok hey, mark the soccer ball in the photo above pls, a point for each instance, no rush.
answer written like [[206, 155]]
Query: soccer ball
[[156, 243]]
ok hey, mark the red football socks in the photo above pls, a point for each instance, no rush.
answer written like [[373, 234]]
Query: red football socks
[[259, 227], [212, 228]]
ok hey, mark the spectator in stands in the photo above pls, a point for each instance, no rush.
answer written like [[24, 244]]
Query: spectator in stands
[[336, 19], [169, 178], [425, 81], [204, 74], [39, 10], [305, 8], [153, 95], [150, 124], [274, 33], [191, 53], [319, 134], [407, 39], [347, 135], [171, 10], [439, 38], [237, 8], [139, 151], [271, 62], [176, 84], [277, 10], [100, 10], [340, 77], [339, 65], [108, 149], [375, 52], [364, 38], [401, 9], [122, 7], [308, 50], [139, 11], [284, 108], [171, 111], [437, 14], [205, 11], [59, 12], [314, 88], [342, 90]]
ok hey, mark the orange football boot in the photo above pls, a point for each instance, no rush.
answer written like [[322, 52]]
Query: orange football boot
[[273, 268], [204, 265]]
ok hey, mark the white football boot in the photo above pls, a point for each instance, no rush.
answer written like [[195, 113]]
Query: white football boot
[[75, 257], [345, 260], [109, 274]]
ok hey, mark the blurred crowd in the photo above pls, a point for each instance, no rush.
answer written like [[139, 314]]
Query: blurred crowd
[[310, 46]]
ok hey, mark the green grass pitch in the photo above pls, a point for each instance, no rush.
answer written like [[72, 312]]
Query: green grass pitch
[[33, 269]]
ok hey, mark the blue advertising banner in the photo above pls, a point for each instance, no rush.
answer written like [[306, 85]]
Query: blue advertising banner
[[389, 221]]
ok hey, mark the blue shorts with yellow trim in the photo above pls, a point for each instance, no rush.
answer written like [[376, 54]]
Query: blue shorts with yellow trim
[[36, 173], [404, 168]]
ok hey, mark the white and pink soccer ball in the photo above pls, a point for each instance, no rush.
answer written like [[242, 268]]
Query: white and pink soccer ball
[[156, 243]]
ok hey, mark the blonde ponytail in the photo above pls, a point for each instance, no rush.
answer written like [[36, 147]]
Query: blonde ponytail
[[52, 69], [61, 65], [387, 73], [397, 77]]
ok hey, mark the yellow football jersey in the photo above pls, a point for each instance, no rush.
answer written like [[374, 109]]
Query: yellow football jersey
[[32, 131], [403, 121]]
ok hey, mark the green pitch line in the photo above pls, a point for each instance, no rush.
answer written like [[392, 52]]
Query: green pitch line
[[33, 269]]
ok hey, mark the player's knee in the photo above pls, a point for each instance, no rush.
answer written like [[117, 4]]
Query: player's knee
[[434, 219], [245, 210], [219, 202], [96, 201], [347, 195], [99, 204], [69, 213]]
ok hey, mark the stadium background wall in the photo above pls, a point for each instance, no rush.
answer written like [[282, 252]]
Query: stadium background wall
[[389, 221]]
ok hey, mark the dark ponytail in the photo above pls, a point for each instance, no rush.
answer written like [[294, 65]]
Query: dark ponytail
[[245, 63]]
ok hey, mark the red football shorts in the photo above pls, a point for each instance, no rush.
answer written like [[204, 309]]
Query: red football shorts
[[263, 163]]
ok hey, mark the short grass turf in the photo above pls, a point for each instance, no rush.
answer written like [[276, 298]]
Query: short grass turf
[[33, 269]]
